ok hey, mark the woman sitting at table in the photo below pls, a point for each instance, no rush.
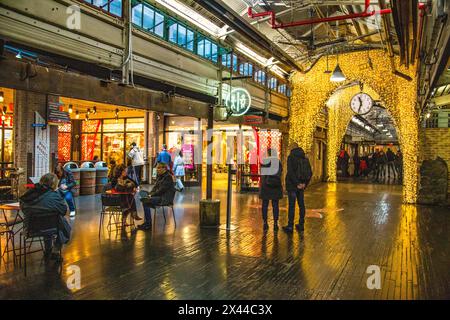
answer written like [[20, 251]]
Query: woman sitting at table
[[122, 183], [44, 199], [66, 183]]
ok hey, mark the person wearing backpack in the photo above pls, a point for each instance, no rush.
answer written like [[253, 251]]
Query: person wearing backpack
[[271, 188], [137, 161], [298, 176]]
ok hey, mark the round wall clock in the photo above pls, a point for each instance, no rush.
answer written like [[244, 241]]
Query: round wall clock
[[361, 103]]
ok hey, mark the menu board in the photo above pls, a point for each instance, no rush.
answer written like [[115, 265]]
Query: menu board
[[56, 115], [188, 156]]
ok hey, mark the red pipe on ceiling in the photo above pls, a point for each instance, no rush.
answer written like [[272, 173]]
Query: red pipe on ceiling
[[276, 25]]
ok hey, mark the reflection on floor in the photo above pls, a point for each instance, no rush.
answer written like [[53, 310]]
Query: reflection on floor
[[361, 225]]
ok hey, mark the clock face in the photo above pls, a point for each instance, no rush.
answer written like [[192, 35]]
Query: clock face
[[361, 103]]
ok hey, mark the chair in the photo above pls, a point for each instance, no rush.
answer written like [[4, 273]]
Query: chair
[[38, 226], [9, 236], [170, 206], [112, 207]]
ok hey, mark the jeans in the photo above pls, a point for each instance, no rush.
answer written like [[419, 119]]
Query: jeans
[[48, 244], [300, 197], [137, 171], [275, 209], [68, 196], [149, 204]]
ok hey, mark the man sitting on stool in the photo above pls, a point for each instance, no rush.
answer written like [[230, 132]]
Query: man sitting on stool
[[162, 194]]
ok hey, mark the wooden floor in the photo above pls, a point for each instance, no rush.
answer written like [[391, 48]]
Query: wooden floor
[[361, 225]]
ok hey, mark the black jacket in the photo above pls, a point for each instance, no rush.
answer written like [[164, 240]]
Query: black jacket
[[294, 177], [68, 180], [43, 201], [390, 155], [164, 188], [271, 188]]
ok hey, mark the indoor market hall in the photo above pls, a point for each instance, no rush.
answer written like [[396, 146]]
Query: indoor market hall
[[233, 151]]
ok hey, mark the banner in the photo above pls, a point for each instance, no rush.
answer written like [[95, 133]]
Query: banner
[[188, 156], [41, 147]]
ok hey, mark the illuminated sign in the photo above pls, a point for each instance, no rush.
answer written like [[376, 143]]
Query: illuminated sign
[[238, 101]]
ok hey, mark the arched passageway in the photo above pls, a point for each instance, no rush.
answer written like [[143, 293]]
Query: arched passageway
[[311, 92]]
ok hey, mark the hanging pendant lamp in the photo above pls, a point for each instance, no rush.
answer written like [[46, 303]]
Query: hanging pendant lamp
[[337, 75]]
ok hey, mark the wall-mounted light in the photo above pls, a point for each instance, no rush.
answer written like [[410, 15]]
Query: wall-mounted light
[[94, 110], [19, 55], [2, 97], [70, 108], [88, 111], [77, 114], [87, 117]]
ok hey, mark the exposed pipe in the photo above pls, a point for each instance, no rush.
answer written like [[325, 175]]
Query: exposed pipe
[[276, 25], [364, 14]]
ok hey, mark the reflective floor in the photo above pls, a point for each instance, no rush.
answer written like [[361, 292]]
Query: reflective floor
[[349, 228]]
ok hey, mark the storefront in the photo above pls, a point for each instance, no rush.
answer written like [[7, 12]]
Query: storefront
[[103, 131], [241, 145], [6, 129]]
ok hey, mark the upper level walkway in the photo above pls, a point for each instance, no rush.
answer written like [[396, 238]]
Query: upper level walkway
[[361, 225]]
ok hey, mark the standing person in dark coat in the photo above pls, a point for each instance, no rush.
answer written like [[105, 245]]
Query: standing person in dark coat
[[298, 176], [399, 165], [356, 162], [271, 188], [45, 199], [390, 163]]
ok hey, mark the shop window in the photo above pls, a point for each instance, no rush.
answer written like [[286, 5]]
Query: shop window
[[260, 77], [112, 125], [112, 6], [282, 89], [90, 139], [135, 124], [64, 142]]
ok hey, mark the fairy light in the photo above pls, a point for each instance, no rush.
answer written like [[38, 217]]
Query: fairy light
[[311, 91]]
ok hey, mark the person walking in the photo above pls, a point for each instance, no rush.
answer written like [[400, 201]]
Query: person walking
[[298, 176], [390, 163], [179, 172], [164, 157], [271, 188], [137, 161], [356, 162]]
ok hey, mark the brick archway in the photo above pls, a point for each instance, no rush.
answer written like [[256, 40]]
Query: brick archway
[[311, 91]]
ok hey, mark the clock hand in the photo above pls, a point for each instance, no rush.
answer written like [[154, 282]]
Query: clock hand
[[360, 104]]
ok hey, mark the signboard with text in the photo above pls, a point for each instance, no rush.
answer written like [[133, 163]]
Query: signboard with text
[[56, 115], [238, 101], [188, 156]]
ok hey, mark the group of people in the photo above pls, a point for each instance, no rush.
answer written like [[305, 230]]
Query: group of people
[[379, 165], [298, 176]]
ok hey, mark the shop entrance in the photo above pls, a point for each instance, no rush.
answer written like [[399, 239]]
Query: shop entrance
[[104, 132]]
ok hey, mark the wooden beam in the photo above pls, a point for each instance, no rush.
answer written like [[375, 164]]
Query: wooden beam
[[21, 75]]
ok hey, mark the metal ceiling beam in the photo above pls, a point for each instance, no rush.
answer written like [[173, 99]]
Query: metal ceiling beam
[[231, 18]]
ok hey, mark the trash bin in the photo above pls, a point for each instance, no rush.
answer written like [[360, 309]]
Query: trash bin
[[76, 175], [101, 176], [87, 178], [209, 213]]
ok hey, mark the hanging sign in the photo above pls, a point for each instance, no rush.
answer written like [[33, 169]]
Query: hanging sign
[[188, 156], [252, 119], [239, 101], [55, 114]]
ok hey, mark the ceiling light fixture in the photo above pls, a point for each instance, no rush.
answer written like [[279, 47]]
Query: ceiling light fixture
[[70, 108], [428, 115], [338, 75], [77, 114], [19, 55], [94, 110], [380, 125]]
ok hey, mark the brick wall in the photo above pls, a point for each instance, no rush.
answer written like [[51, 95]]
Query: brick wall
[[435, 142], [26, 103]]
